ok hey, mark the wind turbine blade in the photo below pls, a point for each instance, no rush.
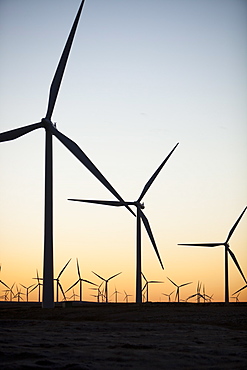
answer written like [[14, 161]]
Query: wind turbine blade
[[14, 134], [150, 234], [87, 281], [55, 85], [36, 286], [78, 269], [61, 288], [144, 277], [240, 289], [81, 156], [236, 263], [60, 273], [235, 225], [185, 284], [145, 286], [72, 286], [152, 178], [4, 284], [193, 295], [102, 202], [203, 244], [23, 286], [172, 282], [98, 276], [155, 281], [114, 276]]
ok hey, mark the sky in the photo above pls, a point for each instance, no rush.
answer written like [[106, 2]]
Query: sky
[[141, 76]]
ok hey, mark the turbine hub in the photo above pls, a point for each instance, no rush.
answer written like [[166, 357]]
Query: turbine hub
[[47, 122], [140, 205]]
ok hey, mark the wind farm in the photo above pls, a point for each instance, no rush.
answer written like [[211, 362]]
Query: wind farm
[[133, 79]]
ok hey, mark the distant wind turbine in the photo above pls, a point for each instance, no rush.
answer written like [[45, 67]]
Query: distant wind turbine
[[178, 287], [74, 295], [116, 294], [227, 250], [19, 294], [50, 130], [149, 282], [100, 293], [59, 286], [80, 280], [140, 216], [168, 295], [10, 291], [106, 283], [126, 298], [236, 297], [27, 289], [38, 285]]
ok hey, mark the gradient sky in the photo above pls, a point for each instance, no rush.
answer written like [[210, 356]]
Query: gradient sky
[[142, 76]]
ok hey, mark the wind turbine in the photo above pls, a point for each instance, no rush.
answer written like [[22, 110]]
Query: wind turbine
[[58, 282], [140, 216], [80, 280], [106, 283], [100, 294], [149, 282], [10, 291], [227, 250], [18, 294], [74, 295], [38, 285], [27, 289], [236, 297], [50, 130], [116, 294], [168, 295], [198, 294], [127, 296], [178, 287]]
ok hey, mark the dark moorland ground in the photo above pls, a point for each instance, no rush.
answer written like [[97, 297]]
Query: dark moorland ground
[[123, 336]]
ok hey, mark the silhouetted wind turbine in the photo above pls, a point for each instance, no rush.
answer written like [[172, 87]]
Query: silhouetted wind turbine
[[149, 282], [27, 289], [227, 250], [106, 283], [116, 294], [168, 295], [58, 282], [18, 294], [50, 129], [178, 287], [80, 280], [100, 294], [74, 295], [140, 216], [10, 291], [38, 285], [236, 297], [126, 298], [198, 294]]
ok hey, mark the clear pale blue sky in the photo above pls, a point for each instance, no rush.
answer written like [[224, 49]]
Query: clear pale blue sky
[[142, 76]]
